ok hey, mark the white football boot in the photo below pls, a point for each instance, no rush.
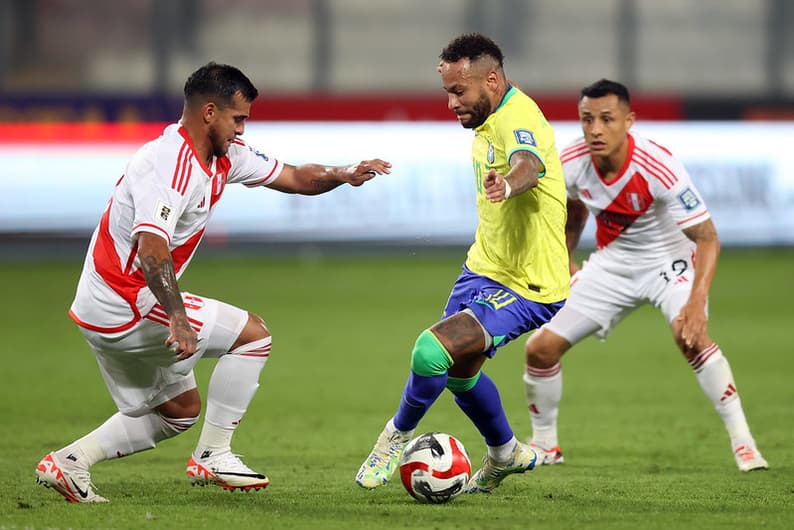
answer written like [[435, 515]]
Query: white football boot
[[749, 458], [492, 473], [381, 463], [224, 469], [547, 456], [67, 478]]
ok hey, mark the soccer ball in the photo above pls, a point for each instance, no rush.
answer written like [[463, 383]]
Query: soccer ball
[[434, 467]]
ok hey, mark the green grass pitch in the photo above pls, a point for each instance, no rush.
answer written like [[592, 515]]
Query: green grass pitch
[[643, 446]]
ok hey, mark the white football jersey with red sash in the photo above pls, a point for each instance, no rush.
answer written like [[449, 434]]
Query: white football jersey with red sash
[[168, 191], [645, 208]]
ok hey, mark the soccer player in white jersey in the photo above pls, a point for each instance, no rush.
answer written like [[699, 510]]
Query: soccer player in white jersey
[[651, 224], [145, 332]]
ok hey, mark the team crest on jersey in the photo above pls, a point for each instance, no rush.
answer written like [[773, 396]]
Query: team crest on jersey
[[490, 154], [525, 137], [689, 199], [637, 201], [219, 183]]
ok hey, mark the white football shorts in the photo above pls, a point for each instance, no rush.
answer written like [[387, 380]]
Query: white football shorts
[[141, 373], [605, 291]]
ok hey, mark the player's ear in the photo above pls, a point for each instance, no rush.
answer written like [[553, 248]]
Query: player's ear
[[208, 111], [492, 79]]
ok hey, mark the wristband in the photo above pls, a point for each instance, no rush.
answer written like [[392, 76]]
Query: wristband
[[507, 190]]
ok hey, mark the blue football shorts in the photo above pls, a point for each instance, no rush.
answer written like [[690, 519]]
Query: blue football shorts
[[503, 313]]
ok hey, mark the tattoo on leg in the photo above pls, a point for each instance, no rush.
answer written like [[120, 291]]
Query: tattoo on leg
[[460, 334]]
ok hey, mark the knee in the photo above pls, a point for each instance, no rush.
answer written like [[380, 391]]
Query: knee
[[186, 405], [544, 349], [429, 357], [191, 410], [178, 425], [255, 329], [689, 351]]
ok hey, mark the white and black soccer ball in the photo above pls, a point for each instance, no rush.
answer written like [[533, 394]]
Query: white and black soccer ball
[[434, 467]]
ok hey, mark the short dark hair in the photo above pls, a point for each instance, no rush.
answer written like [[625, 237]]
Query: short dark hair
[[218, 83], [471, 46], [605, 87]]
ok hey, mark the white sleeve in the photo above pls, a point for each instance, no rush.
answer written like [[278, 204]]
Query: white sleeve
[[251, 167], [683, 200], [570, 171], [157, 203], [574, 157]]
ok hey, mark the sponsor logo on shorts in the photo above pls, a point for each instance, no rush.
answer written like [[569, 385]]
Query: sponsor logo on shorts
[[497, 299]]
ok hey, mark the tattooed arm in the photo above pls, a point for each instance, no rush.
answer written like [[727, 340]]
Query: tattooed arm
[[158, 270], [313, 179]]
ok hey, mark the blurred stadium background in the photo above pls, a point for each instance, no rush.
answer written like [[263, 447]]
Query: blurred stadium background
[[84, 83], [725, 59]]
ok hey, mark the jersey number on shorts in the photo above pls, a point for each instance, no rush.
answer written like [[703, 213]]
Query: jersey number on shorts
[[678, 267]]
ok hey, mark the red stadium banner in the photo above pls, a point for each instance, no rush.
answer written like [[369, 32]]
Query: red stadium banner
[[401, 107], [79, 133]]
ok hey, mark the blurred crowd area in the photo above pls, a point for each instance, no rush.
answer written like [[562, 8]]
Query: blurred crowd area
[[716, 58]]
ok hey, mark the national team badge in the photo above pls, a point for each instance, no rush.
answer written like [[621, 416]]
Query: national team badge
[[490, 155], [689, 199], [636, 201], [219, 183], [525, 137]]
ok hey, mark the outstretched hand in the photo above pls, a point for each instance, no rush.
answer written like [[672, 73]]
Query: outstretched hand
[[358, 174]]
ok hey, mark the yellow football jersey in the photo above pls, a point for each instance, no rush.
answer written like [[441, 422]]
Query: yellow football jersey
[[520, 242]]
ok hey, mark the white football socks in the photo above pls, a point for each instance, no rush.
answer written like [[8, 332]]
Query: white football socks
[[391, 428], [543, 388], [501, 453], [122, 435], [714, 375], [231, 388]]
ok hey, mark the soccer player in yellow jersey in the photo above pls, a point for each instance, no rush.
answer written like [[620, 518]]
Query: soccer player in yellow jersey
[[516, 274]]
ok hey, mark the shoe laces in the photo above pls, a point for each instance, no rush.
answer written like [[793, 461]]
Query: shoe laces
[[493, 469], [228, 460], [82, 477]]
